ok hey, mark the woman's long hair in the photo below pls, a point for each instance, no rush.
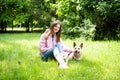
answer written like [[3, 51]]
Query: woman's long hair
[[58, 34]]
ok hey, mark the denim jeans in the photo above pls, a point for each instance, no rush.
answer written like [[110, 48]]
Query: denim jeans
[[49, 53], [57, 45]]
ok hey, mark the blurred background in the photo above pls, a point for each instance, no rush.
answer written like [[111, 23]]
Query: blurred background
[[89, 19]]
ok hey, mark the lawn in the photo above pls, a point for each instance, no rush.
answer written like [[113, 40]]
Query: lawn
[[20, 60]]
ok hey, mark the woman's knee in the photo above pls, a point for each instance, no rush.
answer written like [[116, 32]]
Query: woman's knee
[[59, 47]]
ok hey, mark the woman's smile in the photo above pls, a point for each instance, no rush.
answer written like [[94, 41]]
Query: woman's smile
[[56, 28]]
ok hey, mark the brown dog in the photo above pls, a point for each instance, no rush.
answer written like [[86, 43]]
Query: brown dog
[[77, 54]]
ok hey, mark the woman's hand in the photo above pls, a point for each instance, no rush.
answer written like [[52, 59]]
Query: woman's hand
[[47, 33]]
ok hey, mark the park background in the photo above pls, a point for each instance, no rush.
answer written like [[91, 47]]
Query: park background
[[96, 23], [95, 19]]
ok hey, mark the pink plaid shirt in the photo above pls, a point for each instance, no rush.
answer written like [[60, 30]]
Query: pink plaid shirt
[[49, 43]]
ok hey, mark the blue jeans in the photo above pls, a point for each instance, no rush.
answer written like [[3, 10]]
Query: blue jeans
[[49, 53], [57, 45]]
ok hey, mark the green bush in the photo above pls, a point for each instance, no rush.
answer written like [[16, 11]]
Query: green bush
[[86, 30]]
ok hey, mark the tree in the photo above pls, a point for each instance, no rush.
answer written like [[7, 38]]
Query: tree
[[96, 19], [105, 14]]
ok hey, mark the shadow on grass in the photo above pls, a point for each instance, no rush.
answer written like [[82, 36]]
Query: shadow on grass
[[85, 63]]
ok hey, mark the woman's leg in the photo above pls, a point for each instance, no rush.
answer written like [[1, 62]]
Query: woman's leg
[[59, 57], [59, 47], [48, 55]]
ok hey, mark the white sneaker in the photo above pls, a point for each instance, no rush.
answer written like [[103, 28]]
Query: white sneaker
[[63, 66]]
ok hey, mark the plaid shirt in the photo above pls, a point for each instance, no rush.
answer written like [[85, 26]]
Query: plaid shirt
[[49, 43]]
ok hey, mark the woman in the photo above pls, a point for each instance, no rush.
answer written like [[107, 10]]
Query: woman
[[51, 45]]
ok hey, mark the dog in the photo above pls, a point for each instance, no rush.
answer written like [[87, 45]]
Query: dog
[[76, 54]]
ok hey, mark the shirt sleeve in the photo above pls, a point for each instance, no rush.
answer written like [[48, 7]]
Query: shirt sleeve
[[43, 43]]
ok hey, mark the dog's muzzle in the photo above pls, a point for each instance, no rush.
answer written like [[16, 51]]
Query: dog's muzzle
[[77, 52]]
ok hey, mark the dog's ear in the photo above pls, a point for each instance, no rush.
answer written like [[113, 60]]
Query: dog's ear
[[74, 44], [81, 45]]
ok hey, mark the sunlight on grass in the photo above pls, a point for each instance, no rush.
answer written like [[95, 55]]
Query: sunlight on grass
[[20, 60], [21, 29]]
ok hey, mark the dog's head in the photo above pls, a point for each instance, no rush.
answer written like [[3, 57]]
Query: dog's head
[[77, 50]]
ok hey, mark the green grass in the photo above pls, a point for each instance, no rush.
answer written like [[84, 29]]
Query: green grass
[[20, 60]]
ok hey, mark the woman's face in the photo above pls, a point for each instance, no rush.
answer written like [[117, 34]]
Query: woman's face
[[56, 28]]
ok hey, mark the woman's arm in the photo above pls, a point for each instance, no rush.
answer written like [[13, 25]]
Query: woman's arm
[[47, 33], [43, 41], [65, 48]]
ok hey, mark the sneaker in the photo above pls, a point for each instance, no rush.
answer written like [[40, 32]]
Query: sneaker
[[63, 66]]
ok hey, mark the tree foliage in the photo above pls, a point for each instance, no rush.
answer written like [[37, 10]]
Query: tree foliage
[[106, 16], [95, 19]]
